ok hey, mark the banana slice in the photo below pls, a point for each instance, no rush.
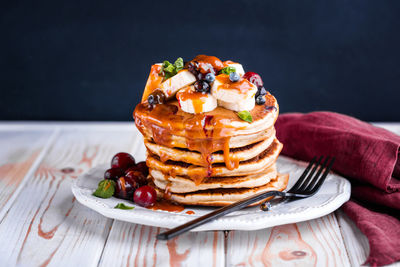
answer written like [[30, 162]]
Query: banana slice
[[182, 79], [195, 102], [153, 82], [232, 92], [237, 66], [245, 104]]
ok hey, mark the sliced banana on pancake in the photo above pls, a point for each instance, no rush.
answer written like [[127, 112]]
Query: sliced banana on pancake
[[172, 85], [195, 102], [246, 104], [153, 81], [235, 96], [238, 67]]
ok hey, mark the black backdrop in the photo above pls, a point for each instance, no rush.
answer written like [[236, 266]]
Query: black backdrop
[[89, 60]]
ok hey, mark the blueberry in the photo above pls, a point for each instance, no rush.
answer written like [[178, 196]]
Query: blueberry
[[150, 99], [210, 77], [260, 100], [262, 90], [234, 77], [157, 97], [202, 86]]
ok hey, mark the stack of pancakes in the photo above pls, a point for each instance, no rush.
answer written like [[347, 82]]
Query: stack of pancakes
[[213, 158]]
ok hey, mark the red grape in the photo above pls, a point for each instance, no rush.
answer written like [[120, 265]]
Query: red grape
[[113, 173], [140, 167], [122, 160], [137, 176], [254, 78], [125, 187], [145, 196]]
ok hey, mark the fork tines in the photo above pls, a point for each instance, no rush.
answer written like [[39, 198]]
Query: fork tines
[[313, 176]]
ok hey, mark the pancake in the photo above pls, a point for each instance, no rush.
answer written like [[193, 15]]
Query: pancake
[[179, 184], [169, 118], [233, 142], [240, 154], [254, 165], [223, 197]]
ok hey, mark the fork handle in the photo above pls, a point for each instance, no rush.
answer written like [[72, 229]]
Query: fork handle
[[217, 214]]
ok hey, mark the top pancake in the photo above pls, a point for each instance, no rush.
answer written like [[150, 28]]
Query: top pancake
[[169, 119]]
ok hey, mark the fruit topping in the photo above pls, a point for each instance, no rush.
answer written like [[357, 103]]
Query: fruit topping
[[122, 160], [227, 70], [140, 167], [254, 78], [145, 196], [260, 100], [155, 98], [195, 102], [236, 96], [153, 82], [137, 176], [238, 67], [202, 86], [113, 173], [234, 77], [210, 77], [125, 187], [261, 91], [206, 64]]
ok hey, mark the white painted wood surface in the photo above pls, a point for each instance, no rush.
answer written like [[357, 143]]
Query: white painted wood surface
[[136, 245], [311, 243], [42, 225]]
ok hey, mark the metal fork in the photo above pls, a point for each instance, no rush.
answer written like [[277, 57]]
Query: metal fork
[[306, 186], [300, 184]]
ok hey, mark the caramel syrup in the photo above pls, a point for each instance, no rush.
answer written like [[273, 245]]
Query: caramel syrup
[[166, 205], [197, 98], [242, 85], [153, 82], [205, 62], [206, 133]]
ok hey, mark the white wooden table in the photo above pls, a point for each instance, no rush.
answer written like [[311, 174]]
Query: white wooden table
[[41, 224]]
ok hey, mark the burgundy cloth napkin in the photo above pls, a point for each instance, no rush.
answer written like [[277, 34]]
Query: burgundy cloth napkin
[[369, 157]]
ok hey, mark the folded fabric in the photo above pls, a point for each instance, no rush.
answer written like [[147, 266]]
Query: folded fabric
[[368, 156], [382, 231]]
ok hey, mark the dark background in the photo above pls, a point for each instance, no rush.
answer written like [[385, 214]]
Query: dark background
[[90, 60]]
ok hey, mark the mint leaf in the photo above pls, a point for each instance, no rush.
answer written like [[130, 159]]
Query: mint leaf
[[168, 67], [169, 70], [178, 64], [227, 70], [122, 206], [245, 115], [105, 189]]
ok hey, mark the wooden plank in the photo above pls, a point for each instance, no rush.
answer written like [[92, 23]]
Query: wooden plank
[[355, 241], [45, 225], [312, 243], [135, 245], [20, 153]]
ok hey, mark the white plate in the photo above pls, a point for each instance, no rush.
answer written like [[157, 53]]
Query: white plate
[[334, 192]]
